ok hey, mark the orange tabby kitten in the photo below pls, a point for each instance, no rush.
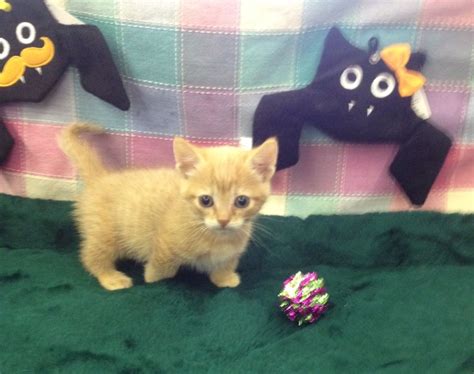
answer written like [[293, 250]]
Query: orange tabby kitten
[[198, 215]]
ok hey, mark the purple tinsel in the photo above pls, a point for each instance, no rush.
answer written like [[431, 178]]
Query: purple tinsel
[[303, 298]]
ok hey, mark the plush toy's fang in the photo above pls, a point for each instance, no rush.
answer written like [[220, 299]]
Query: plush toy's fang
[[22, 79], [39, 71], [370, 109], [351, 105]]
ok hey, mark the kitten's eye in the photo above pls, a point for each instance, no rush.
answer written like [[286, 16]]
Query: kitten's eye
[[351, 77], [4, 48], [242, 201], [25, 33], [383, 85], [206, 201]]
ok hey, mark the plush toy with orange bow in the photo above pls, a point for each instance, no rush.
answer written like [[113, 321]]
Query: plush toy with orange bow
[[35, 50], [362, 97]]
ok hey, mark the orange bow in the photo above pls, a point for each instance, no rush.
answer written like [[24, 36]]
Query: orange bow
[[396, 57]]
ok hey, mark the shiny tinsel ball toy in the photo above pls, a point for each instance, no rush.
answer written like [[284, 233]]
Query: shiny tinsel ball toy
[[303, 298]]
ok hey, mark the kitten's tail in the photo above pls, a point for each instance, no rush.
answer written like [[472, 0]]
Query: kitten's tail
[[82, 155]]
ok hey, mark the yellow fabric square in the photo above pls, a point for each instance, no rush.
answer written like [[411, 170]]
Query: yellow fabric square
[[461, 201], [271, 14], [274, 206], [48, 188]]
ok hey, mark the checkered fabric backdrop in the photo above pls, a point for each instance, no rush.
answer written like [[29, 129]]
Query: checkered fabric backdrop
[[197, 68]]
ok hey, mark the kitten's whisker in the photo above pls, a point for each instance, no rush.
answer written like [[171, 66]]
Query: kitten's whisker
[[195, 234], [258, 241], [264, 230]]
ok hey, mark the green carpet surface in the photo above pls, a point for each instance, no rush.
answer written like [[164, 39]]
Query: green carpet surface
[[400, 285]]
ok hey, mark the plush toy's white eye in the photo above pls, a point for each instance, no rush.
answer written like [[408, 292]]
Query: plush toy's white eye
[[4, 48], [351, 77], [25, 33], [383, 85]]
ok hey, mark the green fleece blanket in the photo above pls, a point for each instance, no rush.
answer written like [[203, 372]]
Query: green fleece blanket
[[401, 288]]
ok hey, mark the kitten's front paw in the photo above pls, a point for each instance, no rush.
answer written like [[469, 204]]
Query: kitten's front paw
[[225, 280], [115, 281]]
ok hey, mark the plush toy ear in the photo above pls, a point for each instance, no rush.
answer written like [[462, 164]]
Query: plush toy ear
[[263, 159], [186, 156], [417, 61], [337, 54]]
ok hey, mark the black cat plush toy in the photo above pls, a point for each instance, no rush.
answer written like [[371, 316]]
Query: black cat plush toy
[[363, 97], [35, 50]]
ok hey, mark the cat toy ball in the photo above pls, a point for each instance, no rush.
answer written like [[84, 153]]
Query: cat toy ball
[[303, 298]]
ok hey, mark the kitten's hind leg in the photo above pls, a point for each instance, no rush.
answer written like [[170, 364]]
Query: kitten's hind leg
[[98, 257]]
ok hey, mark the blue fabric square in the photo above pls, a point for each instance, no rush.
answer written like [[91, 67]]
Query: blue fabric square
[[151, 54], [449, 54], [209, 59], [154, 110], [310, 47], [91, 109], [267, 61], [386, 36], [247, 105], [329, 12]]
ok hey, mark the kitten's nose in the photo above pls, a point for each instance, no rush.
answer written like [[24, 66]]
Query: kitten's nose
[[223, 222]]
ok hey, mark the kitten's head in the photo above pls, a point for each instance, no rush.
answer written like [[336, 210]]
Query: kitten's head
[[226, 186]]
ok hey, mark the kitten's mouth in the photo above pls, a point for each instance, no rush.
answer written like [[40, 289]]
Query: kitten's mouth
[[226, 230], [352, 103]]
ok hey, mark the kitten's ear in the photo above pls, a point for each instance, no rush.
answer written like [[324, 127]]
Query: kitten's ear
[[186, 156], [263, 158]]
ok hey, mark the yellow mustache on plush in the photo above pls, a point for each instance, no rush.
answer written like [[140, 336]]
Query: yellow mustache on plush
[[5, 6], [31, 57]]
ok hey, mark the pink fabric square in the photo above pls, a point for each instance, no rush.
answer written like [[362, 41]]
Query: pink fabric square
[[210, 115], [317, 171], [113, 149], [445, 176], [366, 170], [42, 153], [12, 184], [280, 182], [211, 14], [448, 13], [152, 152], [214, 143], [463, 175], [448, 110], [14, 161], [157, 152]]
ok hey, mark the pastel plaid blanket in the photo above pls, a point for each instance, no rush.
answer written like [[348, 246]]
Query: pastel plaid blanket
[[198, 69]]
